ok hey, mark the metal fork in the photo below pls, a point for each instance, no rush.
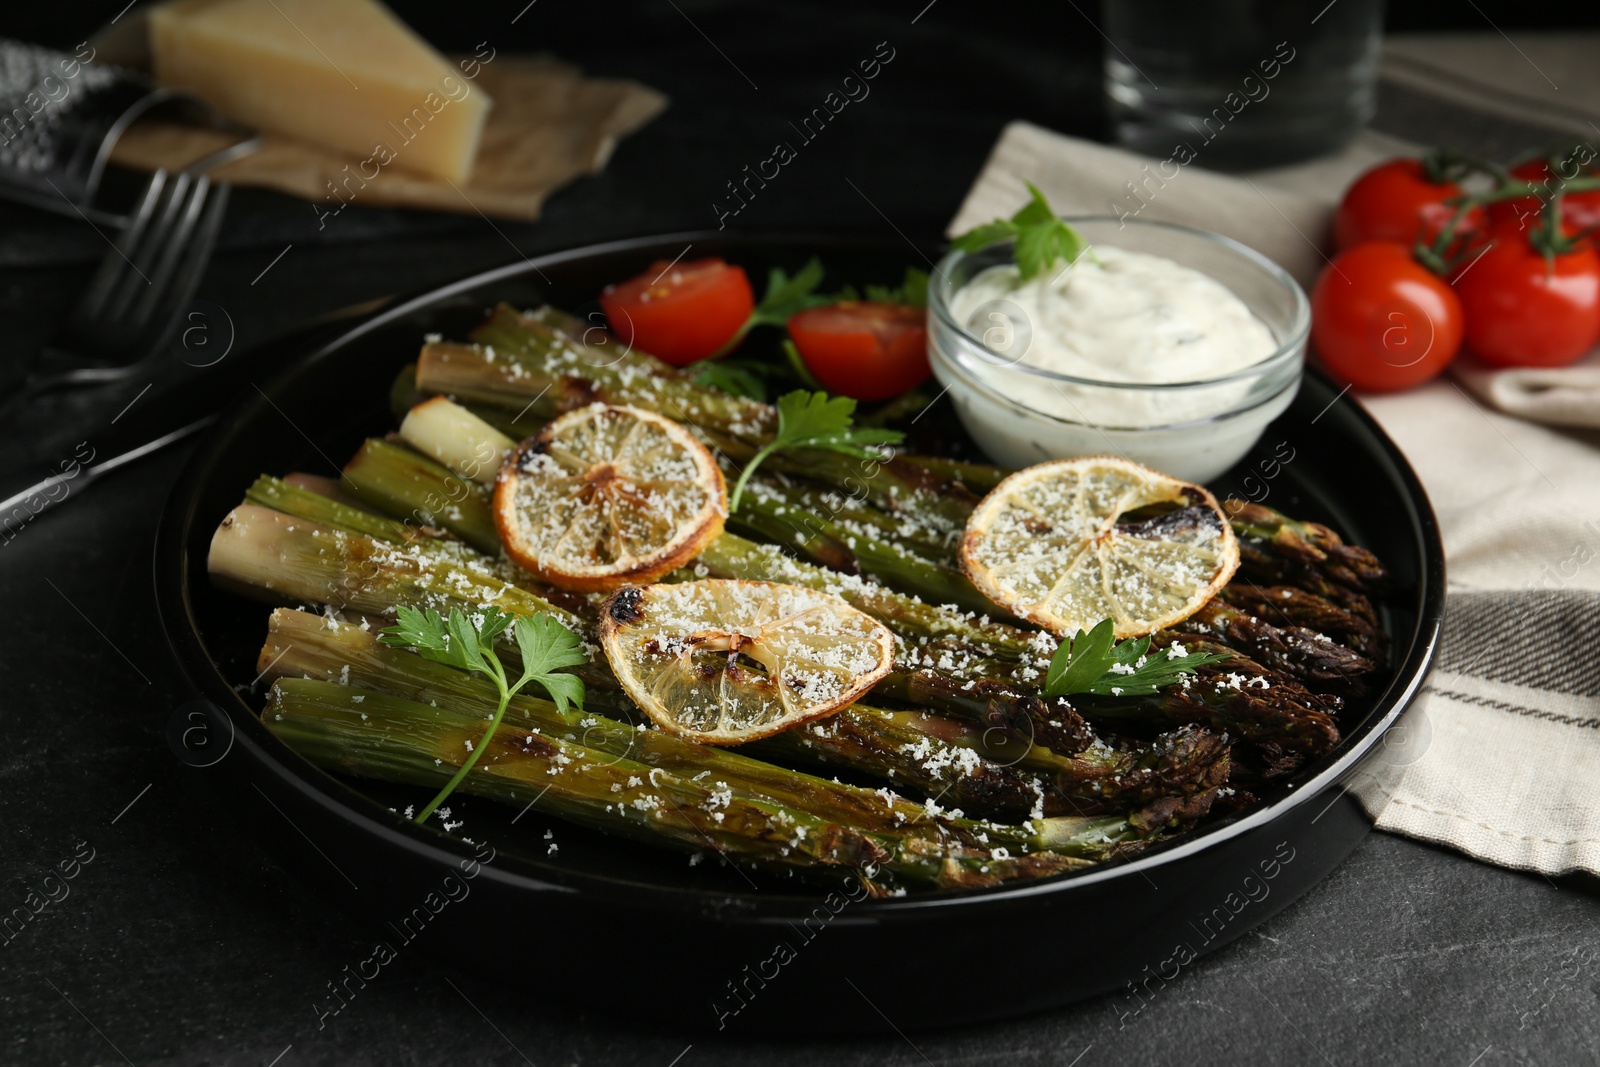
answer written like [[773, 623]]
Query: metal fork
[[165, 247], [144, 282], [148, 276]]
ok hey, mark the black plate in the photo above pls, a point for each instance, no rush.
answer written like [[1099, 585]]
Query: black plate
[[703, 946]]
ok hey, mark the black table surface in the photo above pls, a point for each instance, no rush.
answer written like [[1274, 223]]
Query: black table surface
[[179, 942]]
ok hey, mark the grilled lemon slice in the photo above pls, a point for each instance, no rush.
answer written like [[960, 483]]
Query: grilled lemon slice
[[724, 662], [607, 495], [1068, 543]]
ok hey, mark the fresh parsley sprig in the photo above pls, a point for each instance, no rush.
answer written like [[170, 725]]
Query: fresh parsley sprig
[[1039, 236], [467, 642], [1094, 663], [786, 295], [816, 420]]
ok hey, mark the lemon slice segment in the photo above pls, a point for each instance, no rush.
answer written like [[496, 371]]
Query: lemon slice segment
[[724, 662], [607, 495], [1056, 544]]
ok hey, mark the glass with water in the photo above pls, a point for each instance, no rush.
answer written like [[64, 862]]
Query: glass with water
[[1240, 83]]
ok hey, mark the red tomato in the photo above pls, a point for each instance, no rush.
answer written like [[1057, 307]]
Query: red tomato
[[1381, 321], [680, 312], [1395, 201], [1578, 210], [1525, 311], [863, 348]]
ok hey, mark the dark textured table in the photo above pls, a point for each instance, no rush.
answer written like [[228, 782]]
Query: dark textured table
[[176, 941]]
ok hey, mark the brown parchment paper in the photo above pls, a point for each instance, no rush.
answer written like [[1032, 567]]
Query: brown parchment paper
[[549, 125]]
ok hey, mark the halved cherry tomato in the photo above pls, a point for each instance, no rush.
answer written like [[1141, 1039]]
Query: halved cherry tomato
[[1578, 210], [864, 348], [1525, 311], [1381, 321], [1395, 201], [680, 312]]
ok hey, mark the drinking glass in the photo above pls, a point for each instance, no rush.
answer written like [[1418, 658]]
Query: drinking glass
[[1240, 83]]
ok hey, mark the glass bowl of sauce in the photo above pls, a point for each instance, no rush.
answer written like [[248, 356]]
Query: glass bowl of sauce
[[1167, 345]]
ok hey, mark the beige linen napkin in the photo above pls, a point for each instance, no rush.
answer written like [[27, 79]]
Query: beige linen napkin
[[1547, 78], [549, 125], [1560, 396], [1509, 769]]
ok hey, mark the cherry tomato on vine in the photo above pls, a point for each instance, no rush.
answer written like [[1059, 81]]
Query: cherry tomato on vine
[[1524, 310], [680, 312], [1395, 201], [864, 349], [1579, 210], [1381, 321]]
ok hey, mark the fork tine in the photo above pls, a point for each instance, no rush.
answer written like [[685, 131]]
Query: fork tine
[[180, 278], [177, 247], [155, 238], [198, 252], [91, 305], [185, 279]]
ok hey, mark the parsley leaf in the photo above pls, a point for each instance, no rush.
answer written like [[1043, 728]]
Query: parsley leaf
[[466, 641], [493, 625], [546, 647], [1093, 663], [463, 644], [1086, 657], [787, 295], [912, 291], [816, 420], [985, 234], [1039, 237], [424, 631]]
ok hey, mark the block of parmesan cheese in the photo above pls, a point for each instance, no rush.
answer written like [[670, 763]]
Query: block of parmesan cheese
[[346, 74]]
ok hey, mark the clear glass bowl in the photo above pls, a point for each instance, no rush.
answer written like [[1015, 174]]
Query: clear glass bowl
[[1021, 414]]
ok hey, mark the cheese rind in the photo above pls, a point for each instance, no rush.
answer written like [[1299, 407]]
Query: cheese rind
[[346, 74]]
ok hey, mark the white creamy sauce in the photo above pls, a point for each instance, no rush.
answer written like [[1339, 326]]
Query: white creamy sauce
[[1114, 316]]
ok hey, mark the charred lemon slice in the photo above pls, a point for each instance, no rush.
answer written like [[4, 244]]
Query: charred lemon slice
[[724, 662], [1068, 543], [608, 495]]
